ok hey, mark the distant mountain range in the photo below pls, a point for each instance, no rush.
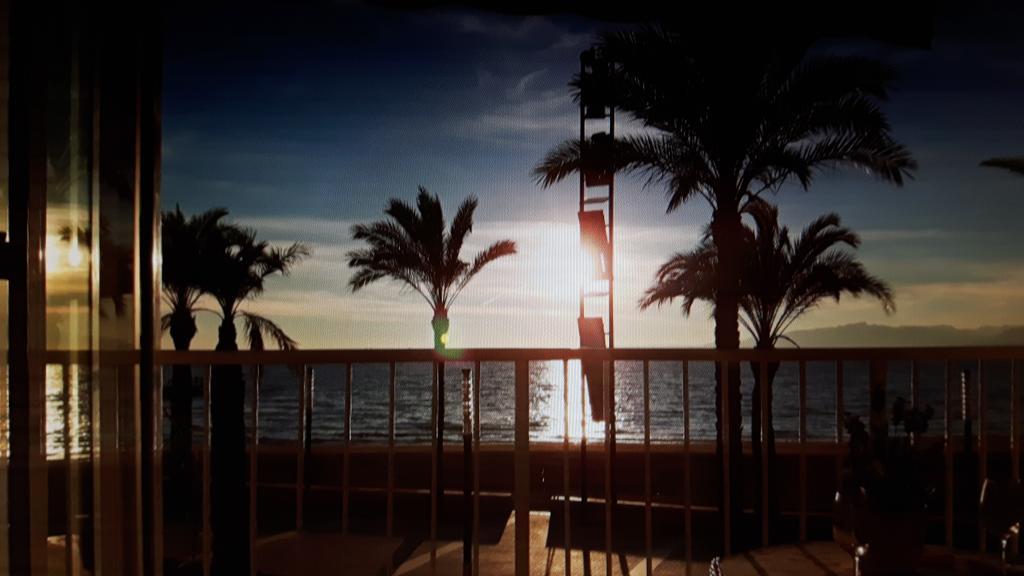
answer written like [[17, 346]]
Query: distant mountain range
[[864, 335]]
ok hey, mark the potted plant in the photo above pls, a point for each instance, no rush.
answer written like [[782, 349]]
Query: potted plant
[[883, 496]]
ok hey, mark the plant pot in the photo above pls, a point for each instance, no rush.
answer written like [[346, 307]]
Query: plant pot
[[893, 540]]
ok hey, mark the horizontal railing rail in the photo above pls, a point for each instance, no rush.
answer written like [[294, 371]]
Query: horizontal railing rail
[[522, 448]]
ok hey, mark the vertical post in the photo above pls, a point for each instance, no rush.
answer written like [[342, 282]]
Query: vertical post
[[390, 528], [1015, 437], [207, 536], [346, 439], [70, 501], [609, 494], [726, 511], [1014, 421], [439, 447], [434, 464], [467, 473], [982, 446], [254, 443], [947, 434], [648, 544], [840, 421], [803, 451], [583, 439], [300, 456], [566, 503], [915, 394], [687, 492], [476, 469], [879, 420], [766, 481], [521, 489]]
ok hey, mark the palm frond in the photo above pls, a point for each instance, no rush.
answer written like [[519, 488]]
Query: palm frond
[[1014, 164], [256, 327], [558, 164]]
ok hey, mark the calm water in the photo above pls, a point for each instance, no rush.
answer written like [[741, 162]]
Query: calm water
[[279, 401]]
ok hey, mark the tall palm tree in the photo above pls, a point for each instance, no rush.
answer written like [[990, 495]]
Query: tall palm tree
[[728, 125], [185, 243], [411, 246], [241, 266], [781, 279]]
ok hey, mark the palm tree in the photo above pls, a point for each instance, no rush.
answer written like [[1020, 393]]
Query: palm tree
[[1014, 164], [412, 247], [241, 266], [781, 279], [728, 125], [185, 244]]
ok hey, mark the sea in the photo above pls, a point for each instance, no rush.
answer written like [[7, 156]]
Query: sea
[[279, 402]]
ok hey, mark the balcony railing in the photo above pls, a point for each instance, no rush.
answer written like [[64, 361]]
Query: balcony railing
[[996, 440]]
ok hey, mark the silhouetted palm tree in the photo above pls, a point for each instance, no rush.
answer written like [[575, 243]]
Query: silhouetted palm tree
[[411, 246], [240, 268], [728, 125], [780, 280], [185, 243], [1014, 164]]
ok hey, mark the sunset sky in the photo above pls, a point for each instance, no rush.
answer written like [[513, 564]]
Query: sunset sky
[[303, 121]]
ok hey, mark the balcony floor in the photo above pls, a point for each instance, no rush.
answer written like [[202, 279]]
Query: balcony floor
[[814, 558]]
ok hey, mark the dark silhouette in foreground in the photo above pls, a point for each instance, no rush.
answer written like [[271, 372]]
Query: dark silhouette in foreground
[[729, 125], [241, 266], [185, 248]]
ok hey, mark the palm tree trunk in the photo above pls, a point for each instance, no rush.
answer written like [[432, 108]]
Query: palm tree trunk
[[440, 325], [760, 506], [183, 329], [230, 509], [726, 230]]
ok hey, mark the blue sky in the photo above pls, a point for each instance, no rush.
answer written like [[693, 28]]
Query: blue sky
[[304, 120]]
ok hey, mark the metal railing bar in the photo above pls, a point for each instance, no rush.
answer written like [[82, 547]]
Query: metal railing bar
[[723, 385], [300, 455], [688, 494], [803, 451], [765, 480], [433, 464], [370, 356], [476, 468], [521, 488], [254, 442], [567, 504], [69, 559], [915, 394], [1015, 437], [207, 536], [982, 443], [390, 522], [950, 371], [648, 531], [346, 472], [609, 502]]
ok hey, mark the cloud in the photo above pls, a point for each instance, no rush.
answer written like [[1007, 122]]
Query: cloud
[[496, 27], [570, 40], [519, 90]]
